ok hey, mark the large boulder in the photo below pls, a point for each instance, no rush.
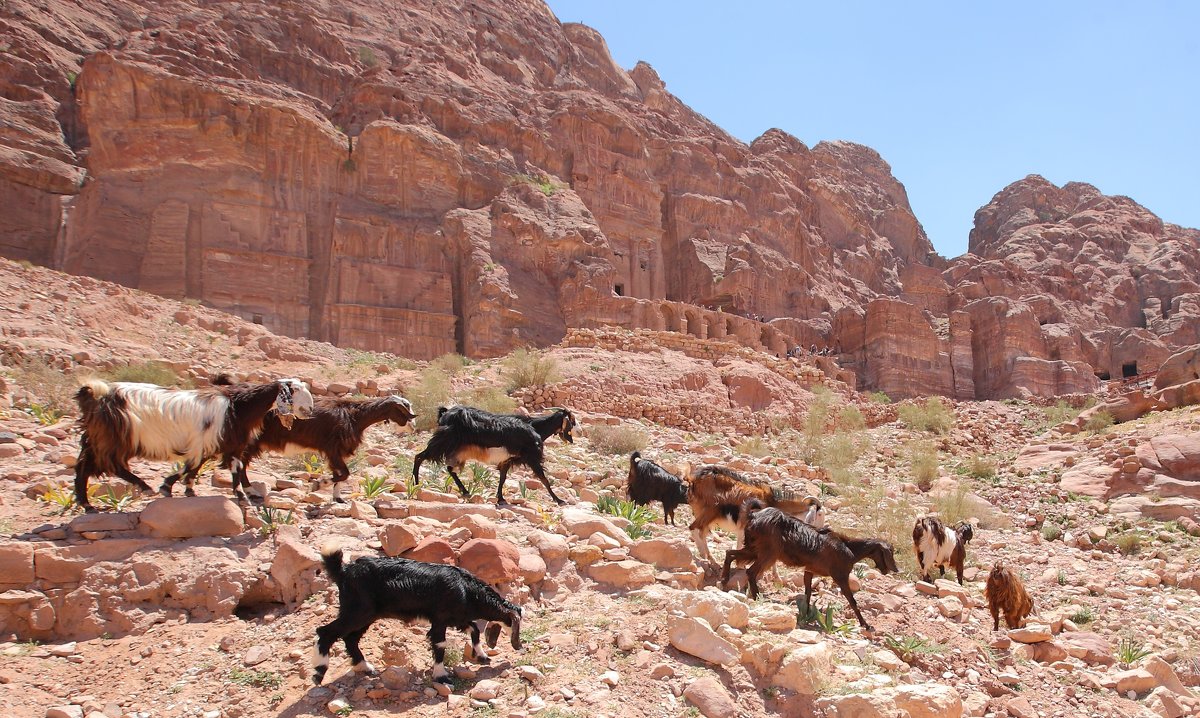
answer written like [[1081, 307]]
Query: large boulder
[[928, 700], [803, 667], [191, 516], [665, 553], [716, 607], [627, 574], [711, 698], [695, 637], [295, 566], [494, 561], [431, 549], [1179, 368]]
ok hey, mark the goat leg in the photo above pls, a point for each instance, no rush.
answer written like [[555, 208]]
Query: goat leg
[[340, 472], [541, 474], [84, 469], [357, 660], [437, 639], [843, 583], [477, 653], [458, 482], [503, 467]]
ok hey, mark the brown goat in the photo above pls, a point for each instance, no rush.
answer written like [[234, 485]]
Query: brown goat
[[1006, 593], [939, 546], [772, 536], [716, 495]]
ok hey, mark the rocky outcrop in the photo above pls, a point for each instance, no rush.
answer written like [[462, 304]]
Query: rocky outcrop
[[482, 177]]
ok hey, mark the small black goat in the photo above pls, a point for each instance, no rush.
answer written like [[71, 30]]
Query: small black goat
[[939, 546], [465, 433], [373, 587], [771, 535], [650, 482], [335, 430]]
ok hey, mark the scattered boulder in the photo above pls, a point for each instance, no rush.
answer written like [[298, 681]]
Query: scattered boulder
[[494, 561], [711, 698], [665, 553], [433, 550], [625, 574], [695, 637], [803, 667], [191, 516]]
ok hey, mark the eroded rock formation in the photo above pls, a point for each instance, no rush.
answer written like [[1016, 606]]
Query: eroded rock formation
[[433, 177]]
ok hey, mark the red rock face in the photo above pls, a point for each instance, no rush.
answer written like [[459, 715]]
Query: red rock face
[[429, 177]]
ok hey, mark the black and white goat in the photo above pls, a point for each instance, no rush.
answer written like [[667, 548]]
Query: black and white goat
[[650, 482], [123, 421], [335, 430], [939, 546], [465, 433], [772, 536], [373, 587]]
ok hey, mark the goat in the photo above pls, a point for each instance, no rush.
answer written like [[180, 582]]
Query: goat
[[335, 430], [939, 546], [123, 421], [1005, 592], [716, 495], [772, 535], [503, 440], [650, 482], [447, 596]]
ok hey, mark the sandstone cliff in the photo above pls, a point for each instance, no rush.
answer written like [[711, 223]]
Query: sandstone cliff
[[429, 177]]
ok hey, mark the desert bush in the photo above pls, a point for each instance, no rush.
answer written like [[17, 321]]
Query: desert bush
[[980, 467], [933, 416], [616, 439], [880, 398], [524, 368], [1129, 542], [491, 398], [451, 363], [814, 424], [1051, 531], [639, 516], [840, 452], [960, 505], [54, 390], [923, 464], [147, 372], [754, 446], [881, 516], [1060, 413], [851, 419], [1099, 421], [432, 390]]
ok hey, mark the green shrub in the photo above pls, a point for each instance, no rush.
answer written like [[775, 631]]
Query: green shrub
[[960, 505], [148, 372], [1129, 542], [923, 464], [451, 363], [1051, 531], [1083, 616], [933, 416], [616, 439], [880, 398], [1099, 421], [432, 391], [524, 368], [491, 398], [753, 446], [851, 419], [54, 389], [1130, 651], [1060, 413], [981, 467], [638, 516]]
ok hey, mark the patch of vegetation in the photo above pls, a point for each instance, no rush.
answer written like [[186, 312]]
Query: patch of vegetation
[[367, 56], [451, 363], [272, 519], [840, 452], [1083, 616], [1060, 413], [147, 372], [524, 368], [814, 424], [638, 516], [480, 481], [1099, 421], [311, 463], [543, 183], [491, 398], [616, 440], [882, 516], [372, 487], [908, 648], [933, 416], [923, 464], [1129, 542], [258, 679], [825, 620], [960, 505], [851, 419], [754, 446], [55, 390], [44, 414], [1051, 531], [60, 498], [432, 390], [1130, 651], [110, 498], [880, 398], [980, 467]]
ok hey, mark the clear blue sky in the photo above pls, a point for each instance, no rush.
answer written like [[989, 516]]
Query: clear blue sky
[[960, 98]]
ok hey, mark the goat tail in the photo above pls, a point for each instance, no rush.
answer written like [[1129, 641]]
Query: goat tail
[[749, 508], [331, 556], [797, 507], [633, 458]]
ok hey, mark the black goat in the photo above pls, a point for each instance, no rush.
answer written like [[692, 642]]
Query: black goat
[[374, 587], [465, 433], [650, 482], [771, 535]]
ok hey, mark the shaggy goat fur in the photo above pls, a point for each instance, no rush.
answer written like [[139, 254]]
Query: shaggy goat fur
[[650, 482], [771, 535], [1005, 592], [335, 430], [447, 596], [716, 495], [122, 421], [465, 433], [939, 546]]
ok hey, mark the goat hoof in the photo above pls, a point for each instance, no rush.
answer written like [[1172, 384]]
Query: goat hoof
[[89, 509], [165, 491], [189, 492], [446, 679]]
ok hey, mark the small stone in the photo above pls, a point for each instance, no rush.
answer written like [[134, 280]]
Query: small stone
[[256, 655], [610, 678], [65, 712]]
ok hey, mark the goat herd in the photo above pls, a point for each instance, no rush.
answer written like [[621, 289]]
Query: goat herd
[[236, 422]]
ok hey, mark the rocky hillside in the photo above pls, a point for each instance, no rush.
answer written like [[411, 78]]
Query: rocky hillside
[[193, 607], [431, 177]]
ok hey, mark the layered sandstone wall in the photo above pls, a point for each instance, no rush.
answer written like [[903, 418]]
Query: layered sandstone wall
[[430, 177]]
